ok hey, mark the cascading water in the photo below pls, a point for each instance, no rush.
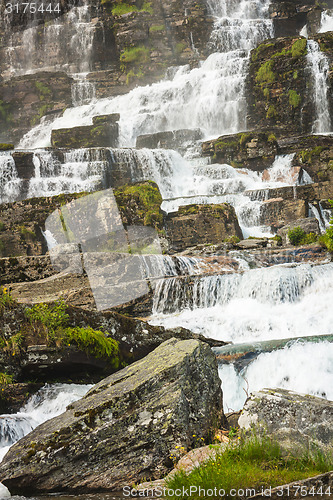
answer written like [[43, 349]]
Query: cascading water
[[64, 43], [47, 403], [319, 68], [326, 21], [9, 181], [210, 97]]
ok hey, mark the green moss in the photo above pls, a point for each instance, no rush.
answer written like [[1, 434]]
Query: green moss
[[295, 74], [27, 233], [121, 8], [294, 99], [298, 48], [271, 138], [141, 201], [259, 51], [307, 155], [5, 111], [265, 73], [44, 91], [244, 138], [180, 47], [93, 343], [6, 147], [2, 226], [271, 113], [266, 93], [135, 55], [157, 27], [221, 146], [132, 75]]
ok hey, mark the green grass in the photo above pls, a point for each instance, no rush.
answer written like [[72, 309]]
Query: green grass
[[157, 27], [121, 8], [135, 55], [265, 73], [252, 462]]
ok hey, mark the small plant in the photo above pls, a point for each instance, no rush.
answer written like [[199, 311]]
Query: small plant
[[271, 112], [93, 342], [6, 300], [5, 379], [327, 238], [298, 236], [46, 319], [265, 73]]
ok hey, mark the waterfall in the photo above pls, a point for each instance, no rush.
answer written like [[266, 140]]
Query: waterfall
[[322, 216], [326, 21], [62, 44], [296, 367], [318, 65], [10, 184], [210, 97], [276, 302], [47, 403], [83, 91]]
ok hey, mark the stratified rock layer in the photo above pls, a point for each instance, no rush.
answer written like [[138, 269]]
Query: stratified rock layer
[[125, 428]]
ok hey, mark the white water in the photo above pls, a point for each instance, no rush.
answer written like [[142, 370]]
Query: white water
[[63, 44], [318, 65], [301, 367], [83, 91], [260, 304], [326, 21], [47, 403], [10, 184], [210, 97]]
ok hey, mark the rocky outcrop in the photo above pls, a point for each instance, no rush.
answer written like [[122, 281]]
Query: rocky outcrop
[[201, 224], [279, 88], [14, 396], [139, 415], [277, 212], [290, 17], [174, 139], [295, 420], [253, 150], [25, 99], [25, 269], [103, 133]]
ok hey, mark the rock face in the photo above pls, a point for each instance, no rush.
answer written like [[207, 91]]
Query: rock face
[[197, 224], [103, 133], [130, 422], [168, 140], [280, 89], [25, 99], [294, 419]]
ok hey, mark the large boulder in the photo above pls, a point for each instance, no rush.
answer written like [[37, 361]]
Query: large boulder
[[126, 427], [295, 420], [172, 139]]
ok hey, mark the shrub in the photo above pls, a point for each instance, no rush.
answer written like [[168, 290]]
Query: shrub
[[298, 236], [5, 379]]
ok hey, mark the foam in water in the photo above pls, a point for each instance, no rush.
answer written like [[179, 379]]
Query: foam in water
[[318, 65], [296, 367], [10, 184], [47, 403], [276, 302], [210, 97], [326, 21]]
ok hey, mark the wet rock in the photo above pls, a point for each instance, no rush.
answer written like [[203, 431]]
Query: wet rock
[[290, 17], [201, 224], [26, 99], [295, 420], [253, 150], [168, 140], [25, 269], [14, 396], [278, 212], [104, 134], [252, 243], [138, 415]]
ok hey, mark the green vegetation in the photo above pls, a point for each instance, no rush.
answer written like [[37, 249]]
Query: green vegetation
[[4, 111], [50, 322], [295, 74], [6, 300], [180, 47], [271, 112], [327, 238], [157, 27], [5, 379], [132, 75], [135, 55], [27, 233], [252, 462], [140, 204], [271, 138], [121, 8], [298, 48], [43, 90], [259, 51], [308, 154], [2, 226], [298, 236], [5, 147], [265, 73], [294, 99]]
